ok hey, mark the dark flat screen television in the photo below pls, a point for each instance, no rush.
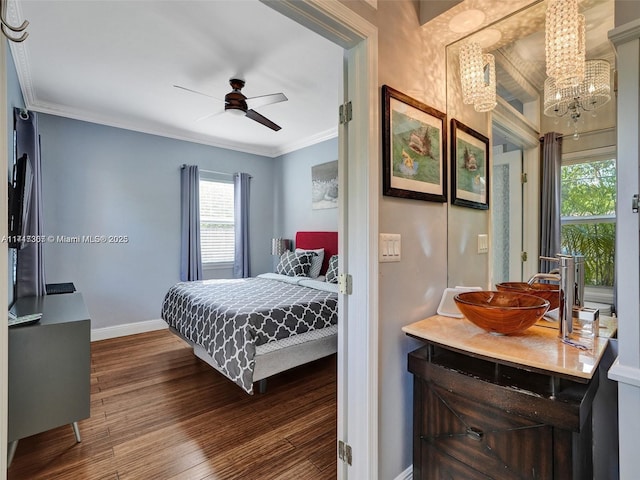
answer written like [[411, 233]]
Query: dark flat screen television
[[20, 202]]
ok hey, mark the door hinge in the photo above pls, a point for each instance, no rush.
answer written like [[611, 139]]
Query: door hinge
[[523, 178], [345, 283], [634, 204], [345, 113], [523, 256], [344, 452]]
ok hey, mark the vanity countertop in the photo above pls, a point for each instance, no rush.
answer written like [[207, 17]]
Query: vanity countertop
[[537, 348]]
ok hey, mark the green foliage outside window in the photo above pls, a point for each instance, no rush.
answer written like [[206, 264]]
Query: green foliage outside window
[[589, 190]]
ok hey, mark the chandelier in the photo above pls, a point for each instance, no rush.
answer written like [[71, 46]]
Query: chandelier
[[478, 77], [590, 94], [565, 43]]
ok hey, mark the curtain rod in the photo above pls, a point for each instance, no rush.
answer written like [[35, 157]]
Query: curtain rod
[[590, 132], [216, 173], [222, 173], [210, 171]]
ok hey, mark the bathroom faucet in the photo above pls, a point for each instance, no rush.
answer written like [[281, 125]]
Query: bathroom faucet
[[545, 276], [567, 295], [570, 276]]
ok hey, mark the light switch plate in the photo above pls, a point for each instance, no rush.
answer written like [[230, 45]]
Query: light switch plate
[[483, 243], [390, 247]]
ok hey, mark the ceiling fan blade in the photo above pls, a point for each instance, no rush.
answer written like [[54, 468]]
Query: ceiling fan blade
[[195, 91], [253, 115], [255, 102], [209, 115]]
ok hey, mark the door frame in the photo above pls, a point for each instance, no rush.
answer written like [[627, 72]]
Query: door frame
[[522, 133], [358, 226], [626, 368], [4, 265]]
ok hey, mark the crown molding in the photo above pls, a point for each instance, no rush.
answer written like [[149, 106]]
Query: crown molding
[[141, 127]]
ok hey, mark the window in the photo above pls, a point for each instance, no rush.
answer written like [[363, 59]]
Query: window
[[588, 214], [217, 236]]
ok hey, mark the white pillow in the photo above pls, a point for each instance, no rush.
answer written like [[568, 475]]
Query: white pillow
[[318, 285], [316, 260]]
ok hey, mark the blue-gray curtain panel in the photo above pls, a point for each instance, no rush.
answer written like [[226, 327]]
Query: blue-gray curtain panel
[[30, 280], [550, 201], [190, 254], [241, 209]]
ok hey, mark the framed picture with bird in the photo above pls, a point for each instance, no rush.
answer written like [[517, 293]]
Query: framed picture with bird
[[413, 148], [469, 167]]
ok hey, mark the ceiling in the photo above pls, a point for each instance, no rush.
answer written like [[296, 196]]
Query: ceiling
[[115, 62]]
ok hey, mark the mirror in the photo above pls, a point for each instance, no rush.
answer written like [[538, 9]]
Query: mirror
[[514, 127]]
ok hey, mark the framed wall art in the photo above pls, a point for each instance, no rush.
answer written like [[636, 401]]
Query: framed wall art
[[469, 167], [324, 185], [414, 152]]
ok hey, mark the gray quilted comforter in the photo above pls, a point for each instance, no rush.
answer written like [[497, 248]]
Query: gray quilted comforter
[[229, 318]]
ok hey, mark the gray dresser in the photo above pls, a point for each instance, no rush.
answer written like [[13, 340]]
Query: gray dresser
[[49, 366]]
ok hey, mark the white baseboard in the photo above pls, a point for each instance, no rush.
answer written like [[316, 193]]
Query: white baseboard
[[127, 329], [406, 475]]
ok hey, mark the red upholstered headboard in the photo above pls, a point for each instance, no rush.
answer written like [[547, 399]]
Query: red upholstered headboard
[[313, 240]]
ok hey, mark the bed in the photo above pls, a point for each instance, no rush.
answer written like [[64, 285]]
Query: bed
[[250, 329]]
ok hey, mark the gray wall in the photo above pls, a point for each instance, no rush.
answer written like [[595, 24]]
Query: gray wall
[[293, 210], [101, 180], [410, 60], [626, 11]]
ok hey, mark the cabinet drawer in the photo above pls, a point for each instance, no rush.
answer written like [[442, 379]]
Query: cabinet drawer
[[437, 464], [508, 389], [485, 438]]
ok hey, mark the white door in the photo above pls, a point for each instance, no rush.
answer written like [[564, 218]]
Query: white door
[[506, 203], [358, 228]]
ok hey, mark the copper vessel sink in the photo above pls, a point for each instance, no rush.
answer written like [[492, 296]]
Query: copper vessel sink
[[503, 312], [549, 291]]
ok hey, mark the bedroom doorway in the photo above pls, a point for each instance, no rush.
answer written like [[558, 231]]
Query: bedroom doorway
[[357, 359], [357, 227]]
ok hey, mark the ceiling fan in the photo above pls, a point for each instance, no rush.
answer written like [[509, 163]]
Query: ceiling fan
[[235, 102]]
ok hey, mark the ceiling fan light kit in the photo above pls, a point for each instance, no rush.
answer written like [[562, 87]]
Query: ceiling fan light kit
[[235, 101]]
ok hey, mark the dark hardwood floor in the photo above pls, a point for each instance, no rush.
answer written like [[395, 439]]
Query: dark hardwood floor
[[157, 412]]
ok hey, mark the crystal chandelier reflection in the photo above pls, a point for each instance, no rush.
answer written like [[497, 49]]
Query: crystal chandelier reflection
[[478, 77], [590, 94], [565, 43]]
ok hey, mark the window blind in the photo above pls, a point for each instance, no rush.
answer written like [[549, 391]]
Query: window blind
[[217, 236]]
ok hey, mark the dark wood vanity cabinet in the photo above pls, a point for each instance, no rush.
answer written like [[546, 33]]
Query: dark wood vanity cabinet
[[476, 419]]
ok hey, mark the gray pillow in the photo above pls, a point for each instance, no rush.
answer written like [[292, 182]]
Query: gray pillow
[[332, 271], [294, 264], [316, 260]]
